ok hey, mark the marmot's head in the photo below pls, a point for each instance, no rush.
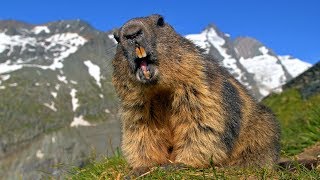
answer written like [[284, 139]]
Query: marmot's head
[[138, 39]]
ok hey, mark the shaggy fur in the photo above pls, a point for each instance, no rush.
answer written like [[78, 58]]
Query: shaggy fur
[[190, 110]]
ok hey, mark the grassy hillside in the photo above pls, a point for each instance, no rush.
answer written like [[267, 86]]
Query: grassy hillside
[[116, 168], [299, 119], [300, 123]]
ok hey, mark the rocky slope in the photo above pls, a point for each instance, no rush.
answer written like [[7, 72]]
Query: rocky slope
[[308, 83], [57, 102], [53, 79]]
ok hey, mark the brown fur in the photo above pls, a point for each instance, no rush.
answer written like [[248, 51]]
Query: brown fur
[[191, 111]]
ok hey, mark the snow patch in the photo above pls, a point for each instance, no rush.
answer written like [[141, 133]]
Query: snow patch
[[79, 121], [71, 41], [263, 50], [74, 82], [54, 94], [268, 74], [94, 71], [5, 77], [39, 29], [218, 42], [200, 40], [62, 79], [61, 44], [13, 84], [294, 66], [210, 37], [7, 67], [57, 87], [2, 48], [112, 38], [39, 154], [74, 100], [214, 38], [236, 50], [10, 42], [53, 139], [51, 106]]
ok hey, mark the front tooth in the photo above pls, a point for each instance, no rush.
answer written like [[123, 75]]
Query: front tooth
[[138, 52], [143, 52], [147, 74]]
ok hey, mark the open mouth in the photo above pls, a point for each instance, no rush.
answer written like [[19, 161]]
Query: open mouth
[[143, 62]]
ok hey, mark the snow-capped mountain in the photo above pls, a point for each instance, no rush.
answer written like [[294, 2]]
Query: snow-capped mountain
[[57, 102], [252, 63]]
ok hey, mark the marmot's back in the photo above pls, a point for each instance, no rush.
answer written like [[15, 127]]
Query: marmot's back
[[179, 105]]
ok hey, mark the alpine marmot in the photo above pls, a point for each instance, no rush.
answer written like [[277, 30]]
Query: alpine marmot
[[178, 105]]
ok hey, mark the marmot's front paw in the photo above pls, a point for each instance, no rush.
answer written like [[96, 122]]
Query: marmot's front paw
[[136, 172], [174, 166]]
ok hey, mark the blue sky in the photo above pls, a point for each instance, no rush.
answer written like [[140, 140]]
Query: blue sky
[[287, 27]]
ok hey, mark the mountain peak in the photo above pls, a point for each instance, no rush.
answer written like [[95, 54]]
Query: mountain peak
[[14, 24], [13, 27], [76, 24], [249, 61], [248, 47], [212, 26]]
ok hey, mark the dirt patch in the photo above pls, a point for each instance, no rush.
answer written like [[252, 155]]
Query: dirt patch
[[312, 152], [309, 158]]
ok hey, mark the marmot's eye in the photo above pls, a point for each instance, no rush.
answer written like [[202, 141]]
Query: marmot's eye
[[130, 41], [134, 35]]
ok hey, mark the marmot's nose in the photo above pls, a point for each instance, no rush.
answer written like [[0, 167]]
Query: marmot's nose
[[133, 32]]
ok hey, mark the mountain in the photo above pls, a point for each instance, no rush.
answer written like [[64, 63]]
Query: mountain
[[58, 108], [57, 102], [298, 111], [249, 61]]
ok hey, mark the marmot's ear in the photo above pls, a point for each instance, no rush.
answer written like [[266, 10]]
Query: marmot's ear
[[116, 35], [158, 19]]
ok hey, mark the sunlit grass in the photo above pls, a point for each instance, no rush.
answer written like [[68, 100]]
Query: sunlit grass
[[299, 119]]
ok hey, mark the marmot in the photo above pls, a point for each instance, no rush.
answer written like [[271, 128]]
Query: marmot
[[180, 106]]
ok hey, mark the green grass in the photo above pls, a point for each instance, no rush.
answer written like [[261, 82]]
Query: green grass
[[299, 119], [108, 168], [117, 168], [300, 124]]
